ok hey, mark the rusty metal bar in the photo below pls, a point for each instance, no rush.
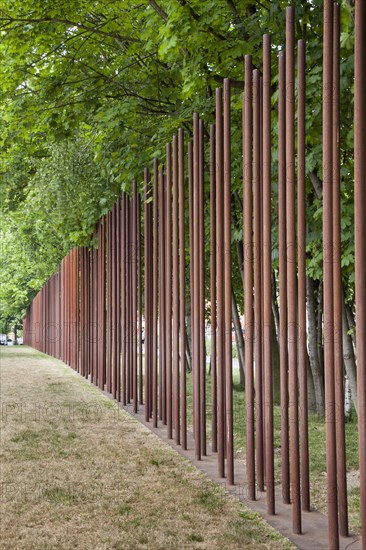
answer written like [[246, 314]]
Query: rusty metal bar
[[220, 287], [123, 300], [114, 297], [162, 299], [257, 264], [284, 398], [360, 239], [227, 286], [331, 445], [175, 284], [213, 287], [301, 278], [155, 297], [139, 296], [168, 290], [195, 293], [148, 291], [191, 256], [337, 286], [182, 296], [291, 272], [267, 278], [248, 273], [134, 294], [108, 380], [118, 300], [201, 289]]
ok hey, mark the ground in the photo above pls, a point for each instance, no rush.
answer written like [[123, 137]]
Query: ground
[[78, 472]]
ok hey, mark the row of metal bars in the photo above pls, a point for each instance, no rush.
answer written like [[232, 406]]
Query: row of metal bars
[[91, 312]]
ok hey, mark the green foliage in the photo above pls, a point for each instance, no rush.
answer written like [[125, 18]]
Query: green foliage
[[91, 91]]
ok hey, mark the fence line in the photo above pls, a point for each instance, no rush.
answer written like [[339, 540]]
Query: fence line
[[94, 312]]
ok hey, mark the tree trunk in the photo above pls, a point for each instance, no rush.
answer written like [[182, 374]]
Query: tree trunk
[[239, 251], [188, 329], [311, 391], [238, 336], [319, 321], [349, 355], [315, 365]]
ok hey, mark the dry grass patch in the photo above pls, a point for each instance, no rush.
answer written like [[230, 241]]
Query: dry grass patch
[[77, 472]]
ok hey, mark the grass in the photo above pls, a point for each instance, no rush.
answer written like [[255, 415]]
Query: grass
[[101, 481], [317, 450]]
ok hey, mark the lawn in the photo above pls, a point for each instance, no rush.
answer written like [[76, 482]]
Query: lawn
[[78, 472]]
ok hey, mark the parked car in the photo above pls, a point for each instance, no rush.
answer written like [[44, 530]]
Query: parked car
[[3, 341]]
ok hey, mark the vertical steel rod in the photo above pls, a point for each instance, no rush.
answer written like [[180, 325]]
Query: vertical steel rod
[[248, 273], [301, 277], [267, 277], [168, 290], [201, 290], [175, 254], [227, 286], [182, 295], [220, 286], [195, 297], [291, 273], [147, 295], [257, 261], [285, 459], [360, 239], [331, 446], [213, 287], [155, 260], [337, 287]]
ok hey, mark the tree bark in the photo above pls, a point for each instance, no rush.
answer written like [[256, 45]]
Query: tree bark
[[349, 355], [315, 365], [238, 337], [188, 340]]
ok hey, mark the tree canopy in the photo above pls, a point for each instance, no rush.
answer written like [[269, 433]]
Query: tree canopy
[[91, 91]]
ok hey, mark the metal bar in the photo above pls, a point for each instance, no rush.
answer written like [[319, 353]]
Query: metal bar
[[331, 445], [291, 273], [257, 261], [155, 260], [114, 300], [191, 257], [267, 277], [284, 398], [337, 287], [182, 295], [129, 380], [248, 273], [139, 296], [134, 294], [168, 289], [108, 303], [118, 300], [148, 292], [213, 287], [227, 286], [175, 254], [220, 287], [360, 239], [123, 300], [195, 295], [162, 299], [301, 277], [201, 288]]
